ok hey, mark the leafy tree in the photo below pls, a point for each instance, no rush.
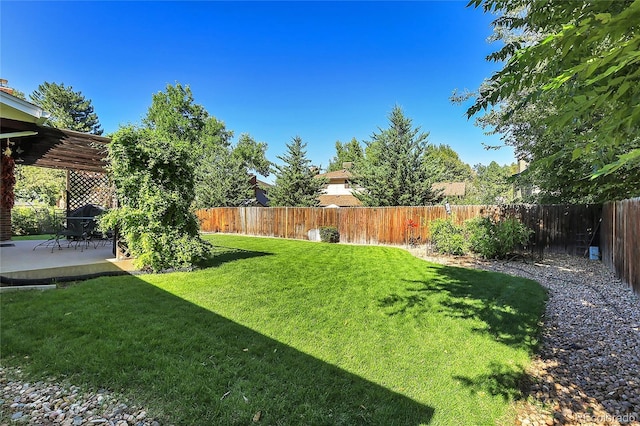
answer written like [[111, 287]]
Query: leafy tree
[[295, 184], [173, 114], [345, 153], [566, 96], [556, 176], [37, 184], [224, 173], [445, 164], [69, 109], [252, 155], [221, 170], [393, 171], [225, 182], [492, 184]]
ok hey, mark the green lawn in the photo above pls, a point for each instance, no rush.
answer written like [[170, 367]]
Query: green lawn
[[31, 237], [307, 333]]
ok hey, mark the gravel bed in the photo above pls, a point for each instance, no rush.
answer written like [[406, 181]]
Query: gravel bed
[[587, 370], [51, 403]]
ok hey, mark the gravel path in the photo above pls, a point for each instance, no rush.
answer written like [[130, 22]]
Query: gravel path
[[587, 371], [52, 403]]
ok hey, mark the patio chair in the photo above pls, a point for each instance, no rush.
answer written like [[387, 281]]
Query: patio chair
[[74, 232], [52, 227], [81, 227]]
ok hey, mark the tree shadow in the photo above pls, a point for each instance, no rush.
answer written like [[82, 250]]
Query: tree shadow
[[133, 337], [507, 381], [230, 254], [509, 308]]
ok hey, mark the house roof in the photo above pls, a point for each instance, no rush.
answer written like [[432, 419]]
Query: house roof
[[339, 200], [34, 144], [450, 189], [338, 174], [15, 108]]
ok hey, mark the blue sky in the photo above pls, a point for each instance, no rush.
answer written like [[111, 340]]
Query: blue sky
[[325, 71]]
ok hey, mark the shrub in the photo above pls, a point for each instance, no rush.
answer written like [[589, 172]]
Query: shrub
[[329, 234], [33, 220], [447, 237], [154, 178], [496, 239]]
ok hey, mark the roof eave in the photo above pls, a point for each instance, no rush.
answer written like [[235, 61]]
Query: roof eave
[[19, 109]]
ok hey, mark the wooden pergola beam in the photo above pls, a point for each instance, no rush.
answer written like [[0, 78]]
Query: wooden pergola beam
[[57, 148]]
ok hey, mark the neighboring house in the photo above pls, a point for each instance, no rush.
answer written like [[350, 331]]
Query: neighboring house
[[260, 190], [523, 190], [450, 190], [339, 189]]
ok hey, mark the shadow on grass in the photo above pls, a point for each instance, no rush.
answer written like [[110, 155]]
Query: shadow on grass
[[509, 308], [223, 255], [509, 382], [191, 365]]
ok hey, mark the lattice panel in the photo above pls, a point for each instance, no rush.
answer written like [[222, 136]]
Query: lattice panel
[[89, 188]]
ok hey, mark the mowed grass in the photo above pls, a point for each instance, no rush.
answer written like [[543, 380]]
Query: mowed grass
[[306, 333], [31, 237]]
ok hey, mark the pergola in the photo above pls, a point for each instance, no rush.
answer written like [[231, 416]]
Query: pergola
[[25, 140]]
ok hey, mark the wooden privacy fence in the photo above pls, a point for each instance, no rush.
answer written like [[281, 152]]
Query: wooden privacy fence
[[557, 228], [620, 241]]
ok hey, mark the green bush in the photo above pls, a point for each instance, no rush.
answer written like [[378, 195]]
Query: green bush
[[154, 177], [496, 239], [447, 237], [33, 220], [329, 234], [482, 235]]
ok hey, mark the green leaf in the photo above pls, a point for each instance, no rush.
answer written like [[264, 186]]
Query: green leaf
[[576, 153]]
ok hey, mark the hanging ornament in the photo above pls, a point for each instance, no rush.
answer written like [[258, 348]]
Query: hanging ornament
[[7, 182]]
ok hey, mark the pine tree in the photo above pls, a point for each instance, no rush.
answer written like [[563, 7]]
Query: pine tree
[[295, 184], [69, 109], [393, 172]]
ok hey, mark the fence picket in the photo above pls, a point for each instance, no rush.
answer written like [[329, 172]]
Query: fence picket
[[555, 227]]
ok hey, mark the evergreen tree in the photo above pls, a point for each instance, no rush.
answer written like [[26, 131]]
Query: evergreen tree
[[393, 171], [69, 109], [348, 152], [295, 184]]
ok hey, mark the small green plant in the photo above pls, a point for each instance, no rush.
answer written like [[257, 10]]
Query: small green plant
[[329, 234], [447, 237], [496, 239]]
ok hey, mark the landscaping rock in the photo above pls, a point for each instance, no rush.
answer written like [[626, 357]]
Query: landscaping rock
[[53, 403]]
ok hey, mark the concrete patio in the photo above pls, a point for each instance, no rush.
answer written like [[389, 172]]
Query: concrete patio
[[31, 262]]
